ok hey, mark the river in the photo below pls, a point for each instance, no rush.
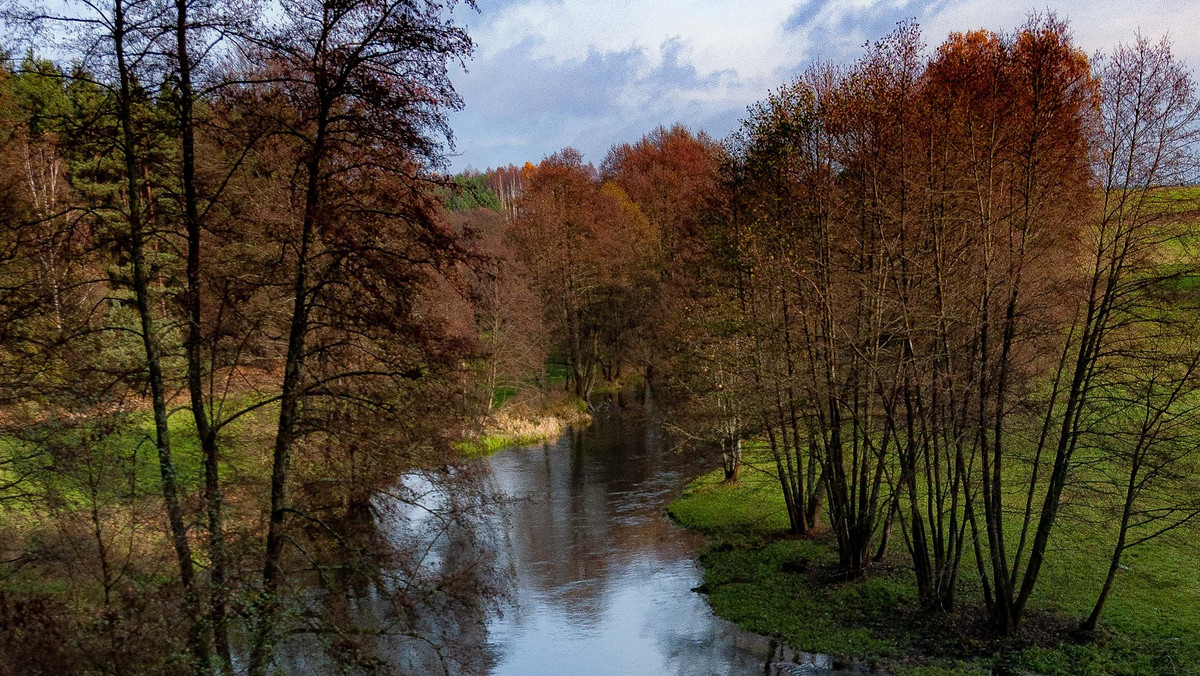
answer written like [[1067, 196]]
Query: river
[[561, 560], [603, 578]]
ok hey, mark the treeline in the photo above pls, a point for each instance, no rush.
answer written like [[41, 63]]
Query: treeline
[[584, 266], [949, 293], [229, 314]]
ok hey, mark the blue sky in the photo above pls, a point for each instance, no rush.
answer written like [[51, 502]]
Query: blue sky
[[589, 73]]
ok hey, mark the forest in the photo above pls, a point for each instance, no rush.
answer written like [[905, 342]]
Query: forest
[[931, 317]]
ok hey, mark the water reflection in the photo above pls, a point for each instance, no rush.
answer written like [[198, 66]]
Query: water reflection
[[403, 585], [543, 560], [603, 578]]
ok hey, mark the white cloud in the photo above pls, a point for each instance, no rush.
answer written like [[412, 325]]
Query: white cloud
[[719, 33], [551, 73]]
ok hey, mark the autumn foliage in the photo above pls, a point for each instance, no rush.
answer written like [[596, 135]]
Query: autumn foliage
[[940, 288]]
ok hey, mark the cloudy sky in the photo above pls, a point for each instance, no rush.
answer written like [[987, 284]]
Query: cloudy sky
[[588, 73]]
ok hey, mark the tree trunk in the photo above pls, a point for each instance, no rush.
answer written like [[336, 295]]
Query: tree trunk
[[208, 442], [289, 410], [731, 454], [141, 288]]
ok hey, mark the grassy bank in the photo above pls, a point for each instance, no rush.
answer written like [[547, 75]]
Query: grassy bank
[[523, 424], [767, 582]]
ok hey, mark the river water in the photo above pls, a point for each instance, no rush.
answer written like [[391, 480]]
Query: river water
[[602, 578], [559, 560]]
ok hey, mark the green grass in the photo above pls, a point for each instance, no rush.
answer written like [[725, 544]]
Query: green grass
[[747, 513], [1177, 199], [503, 394], [238, 454], [124, 449], [489, 444], [556, 373], [780, 586]]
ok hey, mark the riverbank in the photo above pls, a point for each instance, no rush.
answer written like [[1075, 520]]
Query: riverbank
[[784, 587], [521, 424]]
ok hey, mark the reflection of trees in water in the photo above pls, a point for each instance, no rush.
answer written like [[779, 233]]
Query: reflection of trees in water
[[406, 581], [402, 583], [411, 580], [588, 505], [602, 575], [609, 477]]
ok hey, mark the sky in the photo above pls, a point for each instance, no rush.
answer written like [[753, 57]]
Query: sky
[[548, 74]]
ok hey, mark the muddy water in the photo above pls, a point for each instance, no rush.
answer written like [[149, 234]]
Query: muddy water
[[602, 578]]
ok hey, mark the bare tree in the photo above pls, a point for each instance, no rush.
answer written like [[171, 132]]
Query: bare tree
[[360, 89]]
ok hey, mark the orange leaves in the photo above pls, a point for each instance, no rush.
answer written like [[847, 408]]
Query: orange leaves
[[527, 172], [968, 67], [574, 228], [670, 174]]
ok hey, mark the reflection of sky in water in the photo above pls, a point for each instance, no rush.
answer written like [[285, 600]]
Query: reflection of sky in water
[[598, 579], [603, 579], [648, 621]]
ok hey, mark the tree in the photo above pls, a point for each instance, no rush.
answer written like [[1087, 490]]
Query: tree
[[587, 246], [1143, 416], [360, 90], [121, 40], [507, 309], [507, 183], [470, 191]]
